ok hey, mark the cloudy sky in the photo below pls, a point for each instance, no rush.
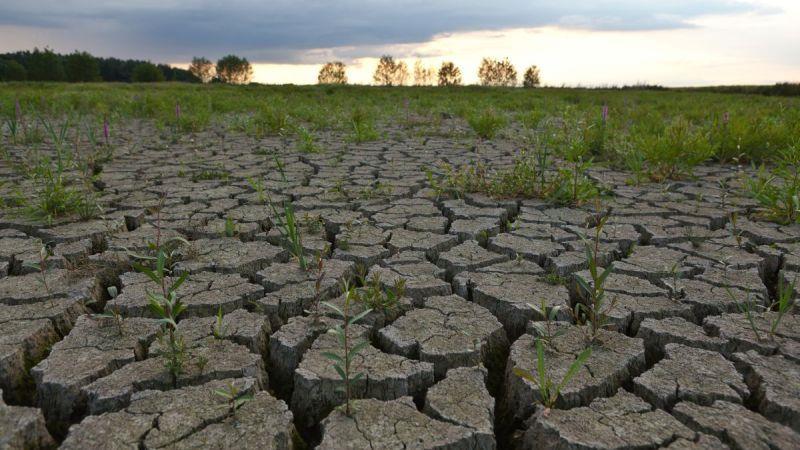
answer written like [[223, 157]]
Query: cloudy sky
[[597, 42]]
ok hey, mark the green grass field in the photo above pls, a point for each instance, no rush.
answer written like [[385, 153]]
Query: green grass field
[[656, 135]]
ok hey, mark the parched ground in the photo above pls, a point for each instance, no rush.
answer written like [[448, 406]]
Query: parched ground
[[678, 366]]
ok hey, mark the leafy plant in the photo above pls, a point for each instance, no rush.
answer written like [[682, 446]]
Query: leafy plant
[[167, 306], [784, 304], [306, 142], [547, 330], [41, 267], [343, 363], [363, 127], [230, 227], [287, 226], [595, 309], [549, 390], [219, 329], [234, 397], [375, 297], [486, 123], [778, 189]]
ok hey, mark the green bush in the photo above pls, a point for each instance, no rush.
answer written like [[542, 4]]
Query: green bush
[[11, 70], [147, 73], [486, 124]]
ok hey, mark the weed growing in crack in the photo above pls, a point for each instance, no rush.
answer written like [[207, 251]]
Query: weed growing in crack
[[219, 330], [231, 229], [362, 127], [289, 229], [234, 398], [549, 390], [342, 364], [258, 185], [675, 290], [167, 306], [783, 304], [320, 267], [595, 313], [306, 141], [487, 123], [375, 297], [746, 308], [547, 331]]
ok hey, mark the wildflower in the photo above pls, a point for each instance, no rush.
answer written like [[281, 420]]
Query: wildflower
[[17, 110], [605, 113], [178, 111], [726, 117]]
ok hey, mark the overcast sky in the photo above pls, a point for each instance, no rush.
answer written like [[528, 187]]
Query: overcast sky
[[574, 42]]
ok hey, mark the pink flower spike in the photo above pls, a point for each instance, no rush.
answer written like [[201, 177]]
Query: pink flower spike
[[105, 130], [605, 113], [178, 110], [17, 109]]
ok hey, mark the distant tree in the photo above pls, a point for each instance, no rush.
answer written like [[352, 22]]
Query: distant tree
[[202, 68], [390, 72], [235, 70], [493, 72], [423, 76], [531, 77], [81, 66], [44, 65], [332, 73], [449, 74], [147, 73], [11, 70]]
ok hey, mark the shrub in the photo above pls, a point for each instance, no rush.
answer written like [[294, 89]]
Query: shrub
[[531, 78], [390, 72], [11, 70], [493, 72], [234, 69], [202, 68], [332, 73], [147, 73], [487, 123], [449, 75]]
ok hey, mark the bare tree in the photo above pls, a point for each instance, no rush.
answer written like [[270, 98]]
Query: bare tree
[[423, 76], [202, 68], [449, 74], [332, 73], [531, 77], [233, 69], [390, 72], [493, 72]]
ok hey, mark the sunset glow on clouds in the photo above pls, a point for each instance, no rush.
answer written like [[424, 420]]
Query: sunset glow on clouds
[[610, 42]]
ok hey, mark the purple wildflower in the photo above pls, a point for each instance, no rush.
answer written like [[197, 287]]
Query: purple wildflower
[[726, 117], [178, 110], [605, 113], [105, 130], [17, 110]]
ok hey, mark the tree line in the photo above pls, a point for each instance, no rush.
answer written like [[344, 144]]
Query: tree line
[[390, 72], [46, 65]]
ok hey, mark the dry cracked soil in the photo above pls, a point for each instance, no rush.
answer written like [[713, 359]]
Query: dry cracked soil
[[678, 366]]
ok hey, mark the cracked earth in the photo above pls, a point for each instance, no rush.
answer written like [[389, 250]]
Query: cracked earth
[[678, 365]]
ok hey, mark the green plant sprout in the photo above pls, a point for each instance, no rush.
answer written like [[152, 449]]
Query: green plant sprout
[[547, 330], [230, 227], [549, 391], [219, 330], [287, 226], [343, 363], [167, 306], [234, 397], [596, 312]]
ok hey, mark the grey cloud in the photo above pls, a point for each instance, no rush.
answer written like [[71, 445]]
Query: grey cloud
[[284, 31]]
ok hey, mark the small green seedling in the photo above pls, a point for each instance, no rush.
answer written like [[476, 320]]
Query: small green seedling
[[230, 227], [549, 391], [234, 397], [546, 329], [596, 311], [784, 303], [220, 329], [343, 363]]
